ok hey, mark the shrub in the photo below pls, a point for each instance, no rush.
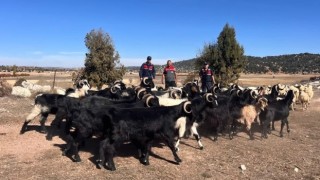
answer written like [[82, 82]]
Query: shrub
[[5, 88], [19, 82]]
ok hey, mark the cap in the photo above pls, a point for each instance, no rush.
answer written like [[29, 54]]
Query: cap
[[149, 58]]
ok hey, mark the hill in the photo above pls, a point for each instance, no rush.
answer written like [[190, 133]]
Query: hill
[[291, 63]]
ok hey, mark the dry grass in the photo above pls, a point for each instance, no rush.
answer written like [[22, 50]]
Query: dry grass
[[31, 156]]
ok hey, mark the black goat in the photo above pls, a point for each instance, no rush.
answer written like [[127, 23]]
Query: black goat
[[275, 111], [95, 101], [118, 125]]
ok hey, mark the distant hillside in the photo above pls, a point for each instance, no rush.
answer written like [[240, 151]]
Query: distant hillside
[[292, 63]]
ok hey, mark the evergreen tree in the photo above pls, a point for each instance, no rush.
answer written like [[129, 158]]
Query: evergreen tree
[[226, 57], [102, 64]]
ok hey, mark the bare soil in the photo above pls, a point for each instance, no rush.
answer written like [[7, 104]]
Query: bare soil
[[31, 156]]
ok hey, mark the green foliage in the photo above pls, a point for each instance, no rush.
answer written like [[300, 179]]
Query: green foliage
[[292, 63], [226, 57], [19, 82], [14, 70], [102, 64]]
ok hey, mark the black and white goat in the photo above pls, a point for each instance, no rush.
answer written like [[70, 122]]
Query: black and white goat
[[46, 104]]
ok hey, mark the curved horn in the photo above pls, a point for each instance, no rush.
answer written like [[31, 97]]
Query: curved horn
[[251, 94], [117, 82], [214, 89], [144, 81], [238, 91], [113, 90], [185, 107], [140, 91], [148, 99], [209, 97]]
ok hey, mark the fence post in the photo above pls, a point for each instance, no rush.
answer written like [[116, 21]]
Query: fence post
[[54, 80]]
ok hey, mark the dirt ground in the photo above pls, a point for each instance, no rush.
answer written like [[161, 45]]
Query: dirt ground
[[295, 156]]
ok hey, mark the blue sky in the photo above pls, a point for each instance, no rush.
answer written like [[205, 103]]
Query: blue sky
[[52, 32]]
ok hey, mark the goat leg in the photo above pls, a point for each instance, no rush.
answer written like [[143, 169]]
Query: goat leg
[[196, 134], [24, 127], [169, 142], [281, 130]]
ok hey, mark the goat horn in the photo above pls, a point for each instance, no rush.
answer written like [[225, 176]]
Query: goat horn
[[251, 94], [139, 91], [214, 89], [238, 91], [185, 107], [112, 89], [144, 81], [209, 97], [148, 99]]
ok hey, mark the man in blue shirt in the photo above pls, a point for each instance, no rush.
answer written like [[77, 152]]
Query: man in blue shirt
[[147, 71]]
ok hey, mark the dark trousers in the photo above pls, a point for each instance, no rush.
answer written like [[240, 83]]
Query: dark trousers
[[170, 84], [206, 86]]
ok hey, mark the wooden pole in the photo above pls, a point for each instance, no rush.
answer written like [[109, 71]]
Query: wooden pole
[[54, 80]]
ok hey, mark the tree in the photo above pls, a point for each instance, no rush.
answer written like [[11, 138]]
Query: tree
[[14, 70], [102, 64], [226, 57]]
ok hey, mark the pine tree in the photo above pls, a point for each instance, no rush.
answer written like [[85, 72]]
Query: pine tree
[[102, 64], [226, 57]]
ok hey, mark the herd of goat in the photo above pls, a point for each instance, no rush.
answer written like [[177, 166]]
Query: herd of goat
[[140, 114]]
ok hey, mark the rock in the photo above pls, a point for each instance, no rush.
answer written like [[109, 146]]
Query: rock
[[296, 169], [243, 167], [20, 91]]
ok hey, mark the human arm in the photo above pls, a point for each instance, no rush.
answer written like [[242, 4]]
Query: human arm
[[153, 73], [140, 72]]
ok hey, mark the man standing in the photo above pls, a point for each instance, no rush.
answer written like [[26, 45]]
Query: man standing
[[147, 71], [207, 78], [170, 76]]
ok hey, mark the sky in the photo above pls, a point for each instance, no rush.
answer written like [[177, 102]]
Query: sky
[[51, 33]]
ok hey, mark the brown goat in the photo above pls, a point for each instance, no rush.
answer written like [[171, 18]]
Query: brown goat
[[250, 113]]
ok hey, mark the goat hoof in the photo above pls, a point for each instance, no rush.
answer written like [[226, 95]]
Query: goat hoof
[[64, 153], [146, 163], [178, 160], [49, 138], [281, 135], [177, 149], [112, 168], [288, 130], [201, 147], [77, 159]]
